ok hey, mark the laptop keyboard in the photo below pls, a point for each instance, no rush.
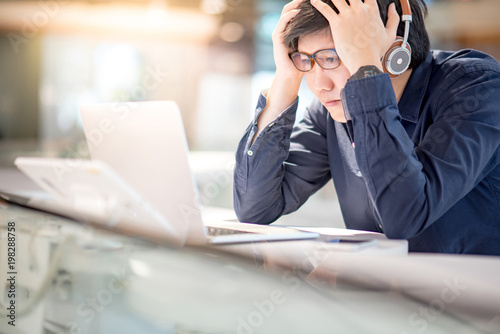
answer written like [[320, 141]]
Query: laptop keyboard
[[217, 231]]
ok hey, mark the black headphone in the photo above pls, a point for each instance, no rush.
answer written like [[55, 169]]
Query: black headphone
[[397, 60]]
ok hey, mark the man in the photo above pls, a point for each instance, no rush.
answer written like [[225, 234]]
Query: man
[[415, 156]]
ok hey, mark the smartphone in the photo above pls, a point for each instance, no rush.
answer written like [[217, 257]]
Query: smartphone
[[353, 243]]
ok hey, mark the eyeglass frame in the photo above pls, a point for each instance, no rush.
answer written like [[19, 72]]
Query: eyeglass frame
[[313, 60]]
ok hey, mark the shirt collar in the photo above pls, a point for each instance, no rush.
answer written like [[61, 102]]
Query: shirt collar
[[413, 95]]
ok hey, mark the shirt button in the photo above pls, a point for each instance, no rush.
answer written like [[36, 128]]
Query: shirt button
[[250, 153], [353, 145]]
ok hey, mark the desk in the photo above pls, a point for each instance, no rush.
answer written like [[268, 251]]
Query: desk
[[75, 278]]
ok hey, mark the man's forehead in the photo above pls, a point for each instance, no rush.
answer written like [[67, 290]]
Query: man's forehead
[[316, 41]]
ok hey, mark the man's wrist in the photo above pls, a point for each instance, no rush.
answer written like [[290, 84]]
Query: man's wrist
[[365, 72]]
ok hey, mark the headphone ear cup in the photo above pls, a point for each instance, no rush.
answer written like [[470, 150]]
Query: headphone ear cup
[[397, 60]]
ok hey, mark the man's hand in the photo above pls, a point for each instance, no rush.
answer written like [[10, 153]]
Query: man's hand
[[284, 66], [358, 31]]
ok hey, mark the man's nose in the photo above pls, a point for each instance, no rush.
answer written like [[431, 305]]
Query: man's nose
[[321, 80]]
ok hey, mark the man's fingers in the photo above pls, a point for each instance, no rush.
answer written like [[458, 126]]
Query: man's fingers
[[289, 11], [392, 21], [285, 19], [340, 4], [290, 6], [326, 10], [278, 34]]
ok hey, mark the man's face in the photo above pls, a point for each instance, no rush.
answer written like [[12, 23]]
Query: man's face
[[325, 84]]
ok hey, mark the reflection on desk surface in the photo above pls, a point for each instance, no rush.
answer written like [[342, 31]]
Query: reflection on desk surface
[[74, 278]]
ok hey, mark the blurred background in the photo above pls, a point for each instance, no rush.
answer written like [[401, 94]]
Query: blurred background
[[212, 57]]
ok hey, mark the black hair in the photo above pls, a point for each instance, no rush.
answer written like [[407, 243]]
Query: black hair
[[309, 21]]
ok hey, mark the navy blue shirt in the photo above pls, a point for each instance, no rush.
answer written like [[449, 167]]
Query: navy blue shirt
[[426, 169]]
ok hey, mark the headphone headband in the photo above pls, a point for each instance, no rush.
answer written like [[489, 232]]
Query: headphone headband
[[406, 9]]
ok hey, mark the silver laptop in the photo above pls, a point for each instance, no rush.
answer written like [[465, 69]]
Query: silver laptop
[[90, 191], [145, 144]]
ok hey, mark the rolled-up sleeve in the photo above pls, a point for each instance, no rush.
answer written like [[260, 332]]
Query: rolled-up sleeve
[[273, 175]]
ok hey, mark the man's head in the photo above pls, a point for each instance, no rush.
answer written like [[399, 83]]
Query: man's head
[[309, 32], [309, 21]]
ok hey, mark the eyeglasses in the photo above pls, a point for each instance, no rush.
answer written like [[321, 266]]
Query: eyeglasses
[[327, 59]]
